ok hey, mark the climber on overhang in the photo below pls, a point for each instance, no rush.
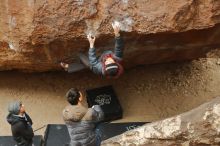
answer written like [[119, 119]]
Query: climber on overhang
[[109, 63]]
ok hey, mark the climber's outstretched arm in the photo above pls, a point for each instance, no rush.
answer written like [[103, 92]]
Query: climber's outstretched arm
[[95, 63], [119, 44]]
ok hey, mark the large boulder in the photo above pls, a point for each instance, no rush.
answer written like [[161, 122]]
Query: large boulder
[[36, 34], [198, 127]]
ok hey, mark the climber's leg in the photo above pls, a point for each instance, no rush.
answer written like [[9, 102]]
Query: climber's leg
[[84, 59]]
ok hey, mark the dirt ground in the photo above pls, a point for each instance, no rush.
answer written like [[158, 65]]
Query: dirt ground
[[146, 93]]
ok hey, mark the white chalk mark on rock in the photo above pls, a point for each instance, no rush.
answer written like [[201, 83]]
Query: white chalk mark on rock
[[12, 22], [125, 1], [11, 46], [80, 2], [92, 27], [116, 23], [127, 24]]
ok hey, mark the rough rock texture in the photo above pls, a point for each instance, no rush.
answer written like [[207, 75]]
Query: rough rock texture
[[36, 34], [200, 126]]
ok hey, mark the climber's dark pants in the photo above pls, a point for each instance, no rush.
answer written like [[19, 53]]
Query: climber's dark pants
[[84, 59]]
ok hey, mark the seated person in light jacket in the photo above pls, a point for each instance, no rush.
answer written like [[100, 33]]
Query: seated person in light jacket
[[109, 63], [81, 121]]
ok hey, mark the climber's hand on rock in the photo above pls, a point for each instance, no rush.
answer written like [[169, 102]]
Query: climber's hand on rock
[[91, 40], [64, 65], [116, 26]]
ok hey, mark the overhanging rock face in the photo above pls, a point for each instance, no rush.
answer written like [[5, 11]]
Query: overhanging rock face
[[198, 127], [36, 34]]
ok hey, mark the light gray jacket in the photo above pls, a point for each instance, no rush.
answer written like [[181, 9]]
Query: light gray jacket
[[81, 122]]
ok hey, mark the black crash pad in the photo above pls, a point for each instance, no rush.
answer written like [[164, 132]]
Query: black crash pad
[[109, 130], [107, 99], [9, 141], [56, 135]]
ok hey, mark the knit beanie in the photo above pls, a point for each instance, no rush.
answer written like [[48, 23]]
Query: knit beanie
[[111, 69], [14, 107]]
